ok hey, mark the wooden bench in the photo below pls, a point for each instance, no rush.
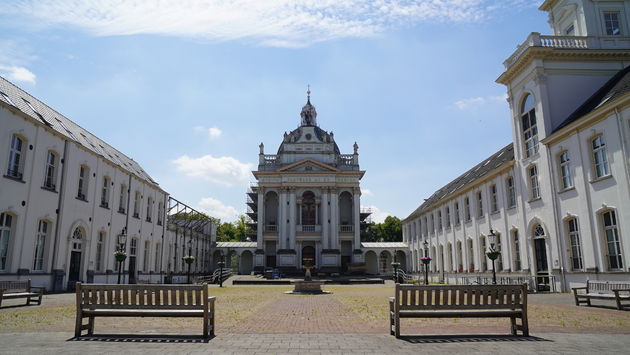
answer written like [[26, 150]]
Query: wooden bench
[[478, 301], [100, 300], [21, 289], [604, 290]]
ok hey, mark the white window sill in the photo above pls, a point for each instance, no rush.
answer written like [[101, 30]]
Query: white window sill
[[496, 212], [567, 189], [605, 177], [535, 199]]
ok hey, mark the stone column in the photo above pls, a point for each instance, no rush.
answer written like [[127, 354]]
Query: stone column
[[324, 219], [282, 220], [292, 218], [261, 218], [356, 204], [334, 219]]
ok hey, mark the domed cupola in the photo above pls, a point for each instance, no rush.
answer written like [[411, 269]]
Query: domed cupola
[[309, 114]]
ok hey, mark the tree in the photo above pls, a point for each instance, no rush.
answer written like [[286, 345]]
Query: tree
[[388, 231], [233, 231]]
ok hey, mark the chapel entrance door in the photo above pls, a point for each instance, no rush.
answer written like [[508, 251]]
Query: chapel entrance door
[[308, 256], [74, 273], [542, 269]]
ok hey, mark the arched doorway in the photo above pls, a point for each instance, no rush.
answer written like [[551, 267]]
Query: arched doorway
[[401, 257], [216, 257], [371, 262], [271, 212], [247, 263], [308, 256], [540, 255], [76, 247]]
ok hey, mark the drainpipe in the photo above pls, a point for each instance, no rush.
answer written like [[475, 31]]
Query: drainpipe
[[54, 271]]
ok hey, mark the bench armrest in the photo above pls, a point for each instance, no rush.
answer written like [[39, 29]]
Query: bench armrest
[[616, 291], [40, 289], [212, 299], [575, 289], [392, 299]]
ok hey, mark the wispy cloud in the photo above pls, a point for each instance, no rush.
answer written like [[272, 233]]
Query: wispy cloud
[[217, 209], [476, 102], [377, 215], [226, 171], [16, 73], [279, 23], [367, 192], [212, 132]]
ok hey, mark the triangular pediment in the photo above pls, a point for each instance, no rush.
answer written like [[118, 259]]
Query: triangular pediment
[[307, 165]]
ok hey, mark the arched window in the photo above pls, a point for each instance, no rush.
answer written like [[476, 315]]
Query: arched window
[[271, 211], [15, 167], [539, 232], [530, 131], [6, 222], [84, 178], [613, 240], [573, 234], [345, 211], [308, 208], [77, 238]]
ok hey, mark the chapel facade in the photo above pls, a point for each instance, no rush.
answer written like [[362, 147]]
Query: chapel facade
[[306, 203]]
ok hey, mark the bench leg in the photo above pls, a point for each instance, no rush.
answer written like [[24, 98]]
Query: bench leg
[[91, 326], [78, 325], [525, 323], [206, 324], [513, 325]]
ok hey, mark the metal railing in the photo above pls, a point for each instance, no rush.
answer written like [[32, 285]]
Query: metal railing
[[537, 283]]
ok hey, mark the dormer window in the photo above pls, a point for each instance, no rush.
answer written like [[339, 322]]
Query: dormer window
[[570, 31], [530, 130], [611, 21]]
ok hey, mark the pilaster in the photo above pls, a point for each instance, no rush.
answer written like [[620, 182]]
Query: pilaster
[[334, 219], [325, 218], [356, 204], [261, 218], [292, 218]]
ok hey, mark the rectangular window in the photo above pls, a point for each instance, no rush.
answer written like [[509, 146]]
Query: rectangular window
[[534, 188], [15, 166], [615, 261], [105, 192], [611, 21], [40, 245], [479, 204], [432, 223], [494, 199], [160, 213], [457, 218], [511, 192], [448, 217], [145, 261], [133, 249], [439, 218], [136, 205], [565, 170], [530, 132], [84, 174], [574, 242], [122, 202], [50, 171], [149, 209], [467, 209], [517, 251], [599, 157], [5, 237], [158, 254], [99, 251], [569, 31]]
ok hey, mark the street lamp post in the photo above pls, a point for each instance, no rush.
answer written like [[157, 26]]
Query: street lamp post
[[221, 263], [426, 260], [120, 254], [493, 254], [189, 260]]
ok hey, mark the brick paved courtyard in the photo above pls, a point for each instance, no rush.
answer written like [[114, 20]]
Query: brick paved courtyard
[[352, 319]]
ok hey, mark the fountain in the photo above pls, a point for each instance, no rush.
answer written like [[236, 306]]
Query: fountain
[[307, 286]]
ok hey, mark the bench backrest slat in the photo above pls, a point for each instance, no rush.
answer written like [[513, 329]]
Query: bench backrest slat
[[411, 297], [13, 286], [100, 296], [605, 286]]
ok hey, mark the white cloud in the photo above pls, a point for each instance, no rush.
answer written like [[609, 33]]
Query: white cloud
[[366, 192], [213, 132], [476, 102], [279, 23], [16, 73], [377, 215], [218, 209], [226, 171]]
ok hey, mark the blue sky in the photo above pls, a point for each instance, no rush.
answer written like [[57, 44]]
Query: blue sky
[[190, 89]]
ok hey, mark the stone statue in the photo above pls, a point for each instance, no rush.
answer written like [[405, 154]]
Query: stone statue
[[262, 148], [356, 148]]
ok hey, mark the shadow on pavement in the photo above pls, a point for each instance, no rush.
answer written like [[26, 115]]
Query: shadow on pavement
[[429, 339], [143, 338]]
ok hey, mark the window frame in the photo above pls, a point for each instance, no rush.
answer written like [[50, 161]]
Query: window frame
[[6, 230], [50, 170], [529, 132], [614, 229], [605, 22], [511, 192], [480, 211], [534, 184], [564, 170], [602, 152], [99, 257], [494, 199], [575, 244], [467, 214], [83, 183], [122, 199], [137, 204], [105, 191], [457, 217], [40, 245], [15, 161]]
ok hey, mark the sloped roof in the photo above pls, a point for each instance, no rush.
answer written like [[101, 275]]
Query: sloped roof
[[397, 245], [42, 113], [617, 86], [499, 158]]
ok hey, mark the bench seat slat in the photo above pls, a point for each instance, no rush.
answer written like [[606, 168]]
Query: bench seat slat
[[19, 295], [456, 314], [457, 306], [144, 313]]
